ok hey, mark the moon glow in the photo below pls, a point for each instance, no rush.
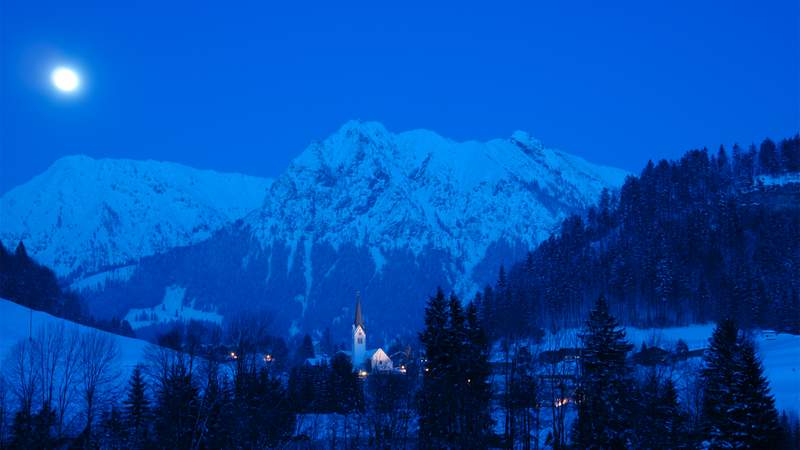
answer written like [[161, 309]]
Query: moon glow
[[65, 79]]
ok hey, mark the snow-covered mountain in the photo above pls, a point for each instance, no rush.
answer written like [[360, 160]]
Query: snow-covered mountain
[[85, 216], [418, 191], [391, 215]]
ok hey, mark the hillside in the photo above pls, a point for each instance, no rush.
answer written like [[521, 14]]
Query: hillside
[[702, 238], [16, 321]]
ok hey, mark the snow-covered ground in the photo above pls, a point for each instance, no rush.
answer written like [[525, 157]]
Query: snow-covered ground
[[779, 353], [779, 180], [170, 309], [98, 280], [15, 321]]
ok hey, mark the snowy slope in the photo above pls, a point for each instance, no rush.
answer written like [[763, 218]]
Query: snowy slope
[[780, 354], [417, 190], [83, 215], [170, 309], [15, 322]]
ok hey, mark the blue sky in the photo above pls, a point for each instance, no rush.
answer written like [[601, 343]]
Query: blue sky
[[245, 86]]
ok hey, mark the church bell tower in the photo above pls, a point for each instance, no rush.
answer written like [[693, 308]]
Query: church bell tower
[[359, 336]]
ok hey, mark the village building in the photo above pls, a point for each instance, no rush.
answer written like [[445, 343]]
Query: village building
[[364, 359]]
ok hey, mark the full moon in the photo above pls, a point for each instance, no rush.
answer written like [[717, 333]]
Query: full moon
[[65, 79]]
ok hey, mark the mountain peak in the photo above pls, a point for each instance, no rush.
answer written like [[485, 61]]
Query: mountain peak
[[417, 190], [525, 140], [71, 162], [362, 127]]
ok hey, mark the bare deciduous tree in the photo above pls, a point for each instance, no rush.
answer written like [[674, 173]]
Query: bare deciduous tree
[[558, 383], [68, 374], [21, 374], [4, 410], [55, 351], [97, 372]]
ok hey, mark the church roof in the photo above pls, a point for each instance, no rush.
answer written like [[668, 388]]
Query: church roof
[[358, 321], [371, 352]]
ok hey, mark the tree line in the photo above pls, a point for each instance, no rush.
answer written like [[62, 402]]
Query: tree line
[[62, 389], [28, 283], [694, 240]]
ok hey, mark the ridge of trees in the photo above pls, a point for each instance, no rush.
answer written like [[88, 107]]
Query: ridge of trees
[[687, 241], [28, 283]]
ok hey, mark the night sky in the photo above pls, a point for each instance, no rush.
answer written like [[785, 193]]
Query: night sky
[[245, 86]]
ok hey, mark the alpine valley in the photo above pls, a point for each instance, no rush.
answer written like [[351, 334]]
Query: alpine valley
[[392, 215]]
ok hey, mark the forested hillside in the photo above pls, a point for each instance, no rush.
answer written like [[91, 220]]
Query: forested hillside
[[702, 238], [28, 283]]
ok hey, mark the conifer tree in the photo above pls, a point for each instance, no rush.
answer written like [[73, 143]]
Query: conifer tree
[[738, 411], [216, 411], [176, 409], [660, 421], [113, 432], [455, 394], [757, 413], [433, 400], [343, 386], [137, 407], [605, 384], [306, 350], [478, 420], [718, 378]]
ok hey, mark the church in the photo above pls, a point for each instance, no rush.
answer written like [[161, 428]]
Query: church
[[363, 359]]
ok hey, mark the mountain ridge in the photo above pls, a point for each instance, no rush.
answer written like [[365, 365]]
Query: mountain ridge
[[82, 215], [418, 173], [390, 214]]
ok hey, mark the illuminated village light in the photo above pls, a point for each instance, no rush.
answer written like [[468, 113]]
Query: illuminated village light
[[562, 402]]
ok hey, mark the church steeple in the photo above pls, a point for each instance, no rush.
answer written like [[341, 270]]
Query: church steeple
[[359, 336], [359, 321]]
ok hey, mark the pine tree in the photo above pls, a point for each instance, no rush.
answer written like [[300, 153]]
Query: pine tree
[[757, 414], [176, 409], [137, 407], [261, 415], [790, 154], [604, 384], [306, 350], [738, 411], [113, 433], [434, 424], [344, 388], [31, 431], [718, 380], [216, 410], [768, 159], [478, 420], [660, 422]]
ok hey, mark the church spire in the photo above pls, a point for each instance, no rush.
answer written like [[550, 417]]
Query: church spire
[[358, 320]]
